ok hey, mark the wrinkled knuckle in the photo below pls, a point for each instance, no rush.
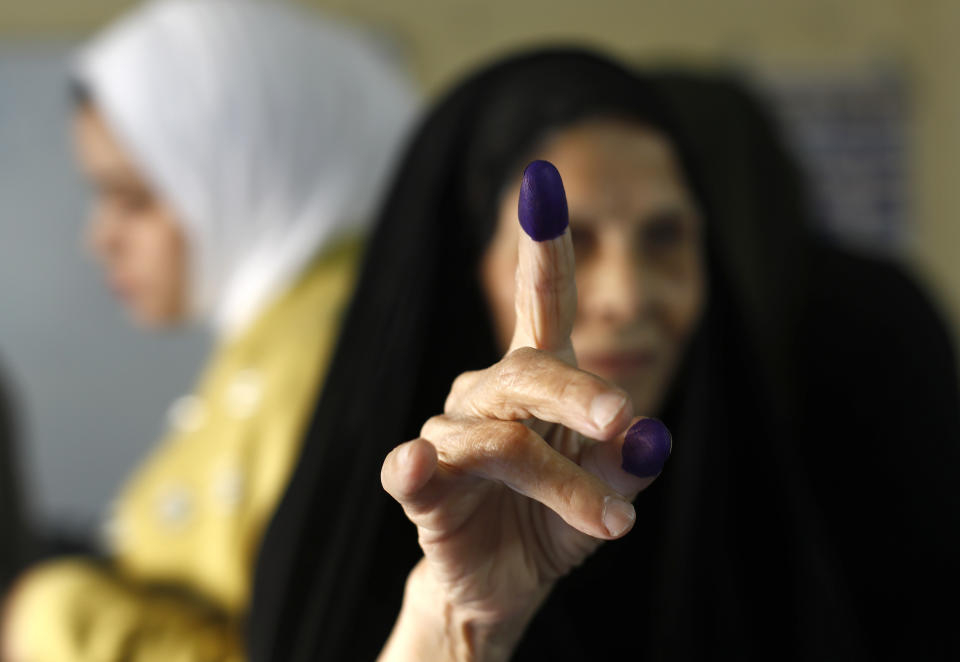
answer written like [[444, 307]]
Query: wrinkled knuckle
[[466, 394], [516, 433], [451, 403], [433, 427], [523, 355], [569, 388], [513, 438], [462, 383], [549, 282], [506, 379], [516, 365], [506, 374], [566, 490], [501, 443]]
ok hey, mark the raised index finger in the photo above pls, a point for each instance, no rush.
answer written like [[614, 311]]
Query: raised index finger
[[546, 293]]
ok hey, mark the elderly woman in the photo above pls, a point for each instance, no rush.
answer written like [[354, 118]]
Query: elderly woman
[[808, 508], [236, 150]]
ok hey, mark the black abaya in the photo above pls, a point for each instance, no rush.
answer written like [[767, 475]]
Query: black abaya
[[807, 506]]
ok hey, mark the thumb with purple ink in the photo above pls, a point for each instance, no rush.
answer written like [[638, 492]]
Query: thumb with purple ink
[[631, 462], [546, 292]]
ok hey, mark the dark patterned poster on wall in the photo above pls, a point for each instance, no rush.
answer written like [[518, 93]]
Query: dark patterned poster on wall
[[850, 130]]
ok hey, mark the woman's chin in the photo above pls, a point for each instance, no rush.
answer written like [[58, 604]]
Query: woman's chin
[[153, 318]]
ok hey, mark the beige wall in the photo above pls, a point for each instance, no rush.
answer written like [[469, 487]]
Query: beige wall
[[446, 37]]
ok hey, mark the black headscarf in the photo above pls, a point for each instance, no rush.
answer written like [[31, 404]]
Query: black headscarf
[[731, 552]]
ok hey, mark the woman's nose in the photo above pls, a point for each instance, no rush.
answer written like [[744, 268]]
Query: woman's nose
[[100, 236], [612, 288]]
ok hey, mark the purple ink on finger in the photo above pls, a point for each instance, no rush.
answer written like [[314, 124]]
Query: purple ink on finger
[[646, 448], [543, 203]]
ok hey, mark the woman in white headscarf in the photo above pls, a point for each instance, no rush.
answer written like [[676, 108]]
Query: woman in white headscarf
[[236, 149]]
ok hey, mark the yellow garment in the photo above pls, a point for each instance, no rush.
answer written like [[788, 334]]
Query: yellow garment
[[193, 516]]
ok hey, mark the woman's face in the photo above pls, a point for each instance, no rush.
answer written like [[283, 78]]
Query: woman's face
[[133, 234], [638, 241]]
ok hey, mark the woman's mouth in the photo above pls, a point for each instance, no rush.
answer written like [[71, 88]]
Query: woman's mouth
[[614, 364]]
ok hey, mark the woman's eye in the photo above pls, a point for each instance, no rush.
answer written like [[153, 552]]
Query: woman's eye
[[663, 233], [583, 242], [130, 203]]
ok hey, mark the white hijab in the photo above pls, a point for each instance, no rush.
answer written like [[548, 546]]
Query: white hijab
[[270, 131]]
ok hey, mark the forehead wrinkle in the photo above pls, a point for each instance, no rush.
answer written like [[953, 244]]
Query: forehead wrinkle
[[614, 169], [624, 199]]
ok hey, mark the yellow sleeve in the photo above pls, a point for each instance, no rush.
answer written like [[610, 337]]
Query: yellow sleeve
[[77, 611]]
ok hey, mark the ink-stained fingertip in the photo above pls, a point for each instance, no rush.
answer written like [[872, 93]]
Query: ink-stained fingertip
[[646, 447], [543, 203]]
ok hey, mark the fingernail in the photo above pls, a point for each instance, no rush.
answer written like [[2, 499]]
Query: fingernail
[[605, 408], [646, 448], [543, 203], [618, 515]]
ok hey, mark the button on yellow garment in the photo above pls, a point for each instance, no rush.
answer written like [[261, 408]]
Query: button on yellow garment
[[193, 516]]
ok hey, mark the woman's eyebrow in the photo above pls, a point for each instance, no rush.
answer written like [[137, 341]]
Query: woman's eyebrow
[[679, 209], [671, 211], [117, 178], [579, 218]]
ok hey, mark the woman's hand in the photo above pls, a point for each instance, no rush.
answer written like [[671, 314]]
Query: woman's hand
[[522, 477]]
